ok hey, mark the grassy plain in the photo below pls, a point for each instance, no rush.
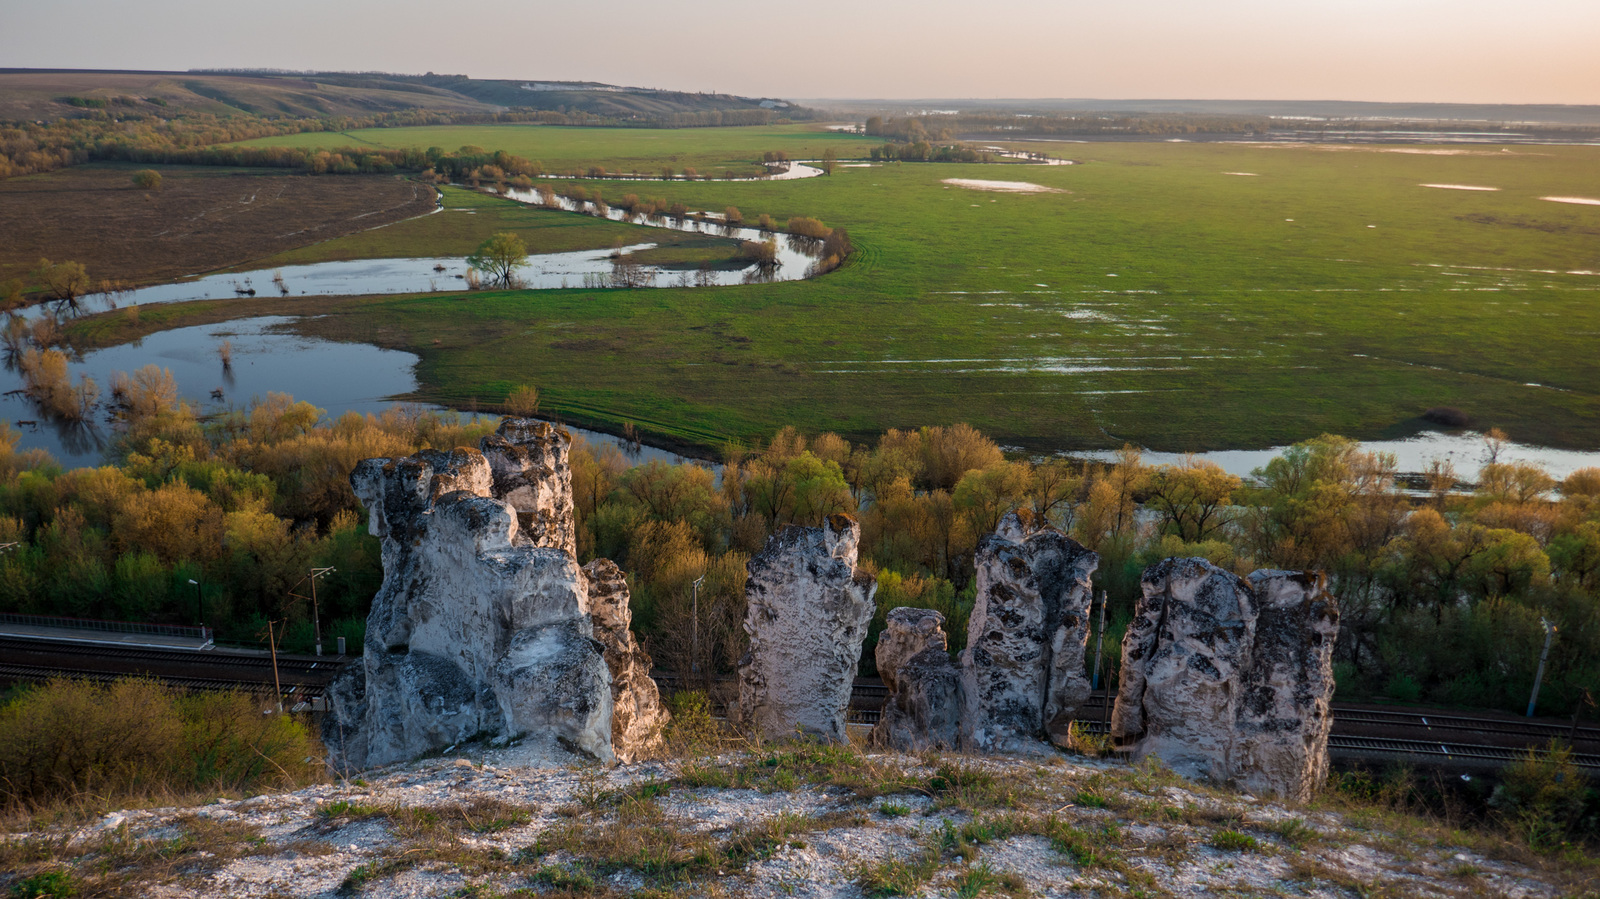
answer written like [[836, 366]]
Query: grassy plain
[[470, 217], [1155, 298], [708, 150]]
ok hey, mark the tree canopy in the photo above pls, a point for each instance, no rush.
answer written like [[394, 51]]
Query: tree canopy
[[499, 257]]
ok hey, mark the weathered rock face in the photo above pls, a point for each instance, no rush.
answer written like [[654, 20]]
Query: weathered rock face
[[480, 628], [1228, 680], [1182, 660], [1284, 713], [637, 716], [909, 632], [1023, 667], [923, 708], [529, 463], [808, 608]]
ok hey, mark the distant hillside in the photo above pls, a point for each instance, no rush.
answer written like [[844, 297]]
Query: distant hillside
[[51, 94], [1333, 110]]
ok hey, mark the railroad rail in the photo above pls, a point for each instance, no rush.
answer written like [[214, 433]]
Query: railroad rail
[[1360, 732]]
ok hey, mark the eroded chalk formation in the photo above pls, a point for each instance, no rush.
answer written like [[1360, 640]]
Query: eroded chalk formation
[[637, 716], [1285, 712], [1023, 669], [481, 627], [1230, 680], [807, 611], [923, 707]]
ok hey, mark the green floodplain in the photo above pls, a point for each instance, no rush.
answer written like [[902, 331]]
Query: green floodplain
[[1180, 296]]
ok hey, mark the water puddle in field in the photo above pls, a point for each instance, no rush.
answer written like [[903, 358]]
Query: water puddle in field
[[1026, 156], [1464, 450], [1576, 201], [545, 271], [793, 171], [1457, 187], [266, 357], [1010, 187]]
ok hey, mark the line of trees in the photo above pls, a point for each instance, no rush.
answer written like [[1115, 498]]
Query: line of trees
[[1442, 590]]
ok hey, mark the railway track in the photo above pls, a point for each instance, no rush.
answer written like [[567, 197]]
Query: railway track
[[33, 661], [1359, 731], [12, 674]]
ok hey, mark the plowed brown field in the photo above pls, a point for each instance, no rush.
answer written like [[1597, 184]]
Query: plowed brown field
[[199, 220]]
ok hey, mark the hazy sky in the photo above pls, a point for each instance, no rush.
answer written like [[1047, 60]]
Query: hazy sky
[[1504, 51]]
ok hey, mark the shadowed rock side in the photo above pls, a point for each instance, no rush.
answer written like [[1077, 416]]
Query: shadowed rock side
[[637, 717], [909, 632], [1284, 714], [923, 708], [808, 608], [1023, 667], [480, 628], [1228, 680]]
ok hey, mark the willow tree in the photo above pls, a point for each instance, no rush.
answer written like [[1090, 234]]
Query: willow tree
[[499, 257]]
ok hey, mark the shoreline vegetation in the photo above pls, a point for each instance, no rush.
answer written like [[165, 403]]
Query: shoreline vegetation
[[243, 502]]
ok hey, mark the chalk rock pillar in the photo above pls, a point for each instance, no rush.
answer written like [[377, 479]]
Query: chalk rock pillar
[[807, 611], [1183, 661], [1023, 667], [908, 633], [922, 710], [480, 628], [637, 716], [1285, 709]]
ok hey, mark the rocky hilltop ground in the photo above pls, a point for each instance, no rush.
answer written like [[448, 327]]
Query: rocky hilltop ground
[[778, 820]]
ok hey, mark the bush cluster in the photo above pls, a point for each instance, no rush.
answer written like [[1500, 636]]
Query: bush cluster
[[81, 742]]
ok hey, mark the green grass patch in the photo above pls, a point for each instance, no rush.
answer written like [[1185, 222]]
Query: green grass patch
[[470, 217], [1154, 299], [1234, 841]]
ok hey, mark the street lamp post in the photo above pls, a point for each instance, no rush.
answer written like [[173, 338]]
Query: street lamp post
[[199, 603]]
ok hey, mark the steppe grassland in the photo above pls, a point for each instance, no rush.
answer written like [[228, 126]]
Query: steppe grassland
[[1155, 300], [470, 217]]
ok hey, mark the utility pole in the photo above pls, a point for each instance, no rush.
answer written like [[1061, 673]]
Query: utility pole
[[1099, 642], [316, 618], [1549, 632], [694, 652], [272, 645]]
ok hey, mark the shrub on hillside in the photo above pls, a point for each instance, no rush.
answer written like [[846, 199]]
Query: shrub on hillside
[[68, 741]]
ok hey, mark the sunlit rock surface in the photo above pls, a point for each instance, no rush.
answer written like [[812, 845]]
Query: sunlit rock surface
[[1285, 713], [807, 611], [481, 627], [1023, 667], [637, 716], [1230, 680]]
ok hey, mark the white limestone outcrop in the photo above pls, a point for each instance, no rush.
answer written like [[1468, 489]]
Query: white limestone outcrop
[[481, 627], [637, 716], [923, 708], [1230, 680], [1286, 713], [1023, 669], [807, 611]]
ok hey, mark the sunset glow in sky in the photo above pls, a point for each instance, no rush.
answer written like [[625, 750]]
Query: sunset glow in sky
[[1474, 51]]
